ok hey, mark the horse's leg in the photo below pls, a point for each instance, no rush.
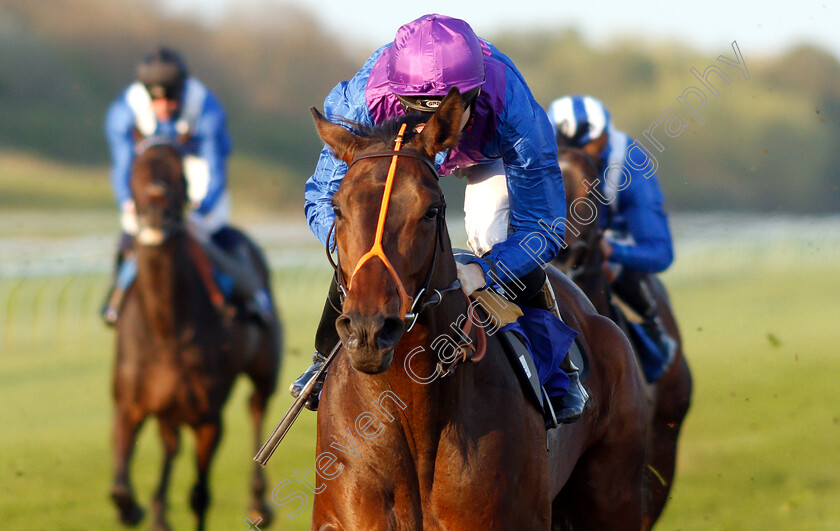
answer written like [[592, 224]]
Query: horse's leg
[[171, 442], [207, 440], [263, 372], [125, 433], [672, 402], [260, 509], [605, 491], [673, 398]]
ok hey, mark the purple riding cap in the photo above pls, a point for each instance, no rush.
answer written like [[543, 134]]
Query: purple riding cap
[[433, 54], [429, 56]]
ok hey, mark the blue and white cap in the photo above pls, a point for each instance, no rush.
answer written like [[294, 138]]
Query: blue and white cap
[[579, 119]]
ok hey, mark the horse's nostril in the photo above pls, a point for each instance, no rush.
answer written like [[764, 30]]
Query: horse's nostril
[[344, 327], [390, 333]]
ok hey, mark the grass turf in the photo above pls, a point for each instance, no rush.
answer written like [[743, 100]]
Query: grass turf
[[758, 451]]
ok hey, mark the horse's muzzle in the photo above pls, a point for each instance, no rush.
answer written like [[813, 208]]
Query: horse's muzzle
[[370, 340]]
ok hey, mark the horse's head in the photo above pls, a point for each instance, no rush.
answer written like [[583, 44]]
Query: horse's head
[[388, 230], [580, 175], [159, 191]]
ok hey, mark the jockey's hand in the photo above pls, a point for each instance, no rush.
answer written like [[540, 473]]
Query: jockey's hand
[[471, 277]]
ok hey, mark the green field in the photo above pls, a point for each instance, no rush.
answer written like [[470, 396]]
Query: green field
[[759, 450]]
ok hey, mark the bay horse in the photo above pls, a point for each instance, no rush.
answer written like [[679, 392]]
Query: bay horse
[[433, 443], [583, 260], [177, 357]]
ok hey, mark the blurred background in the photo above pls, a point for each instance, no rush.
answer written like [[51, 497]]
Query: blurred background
[[752, 192]]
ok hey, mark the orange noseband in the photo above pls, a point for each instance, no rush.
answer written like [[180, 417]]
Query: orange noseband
[[376, 250]]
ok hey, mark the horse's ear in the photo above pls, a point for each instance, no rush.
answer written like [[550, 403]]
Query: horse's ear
[[138, 136], [443, 130], [343, 143]]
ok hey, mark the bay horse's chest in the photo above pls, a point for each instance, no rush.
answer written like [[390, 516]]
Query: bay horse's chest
[[469, 479], [187, 378], [190, 388]]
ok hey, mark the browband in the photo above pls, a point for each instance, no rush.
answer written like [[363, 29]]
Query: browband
[[379, 154]]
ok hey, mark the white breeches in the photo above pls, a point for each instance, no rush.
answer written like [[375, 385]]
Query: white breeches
[[486, 206], [204, 226]]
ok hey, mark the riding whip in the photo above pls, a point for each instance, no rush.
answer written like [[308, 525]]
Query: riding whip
[[291, 415]]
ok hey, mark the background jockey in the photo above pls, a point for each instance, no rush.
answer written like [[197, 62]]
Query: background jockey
[[637, 241], [165, 104], [507, 153]]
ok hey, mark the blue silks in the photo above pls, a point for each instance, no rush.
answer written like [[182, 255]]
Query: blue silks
[[548, 339]]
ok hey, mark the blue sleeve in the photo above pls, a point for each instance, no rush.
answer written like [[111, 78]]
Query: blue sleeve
[[641, 204], [119, 130], [347, 100], [214, 146], [534, 180]]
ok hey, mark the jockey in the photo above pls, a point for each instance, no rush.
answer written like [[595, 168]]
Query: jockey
[[637, 242], [507, 154], [166, 103]]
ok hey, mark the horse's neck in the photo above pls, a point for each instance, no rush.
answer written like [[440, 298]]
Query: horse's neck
[[162, 278], [431, 399]]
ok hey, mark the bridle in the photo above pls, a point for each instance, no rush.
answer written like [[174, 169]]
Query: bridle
[[158, 140], [148, 236], [426, 297]]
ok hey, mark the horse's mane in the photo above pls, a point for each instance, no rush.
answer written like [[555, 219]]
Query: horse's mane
[[387, 131]]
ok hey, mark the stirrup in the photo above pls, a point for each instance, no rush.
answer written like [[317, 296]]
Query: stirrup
[[261, 309], [110, 311], [109, 316], [297, 386]]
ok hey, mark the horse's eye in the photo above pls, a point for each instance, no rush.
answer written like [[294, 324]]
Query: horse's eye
[[337, 211], [432, 213]]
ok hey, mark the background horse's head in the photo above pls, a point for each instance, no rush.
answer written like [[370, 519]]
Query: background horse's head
[[159, 190], [580, 176], [383, 262]]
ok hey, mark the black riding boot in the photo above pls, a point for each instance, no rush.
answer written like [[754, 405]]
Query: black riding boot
[[570, 406], [632, 287], [325, 340]]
